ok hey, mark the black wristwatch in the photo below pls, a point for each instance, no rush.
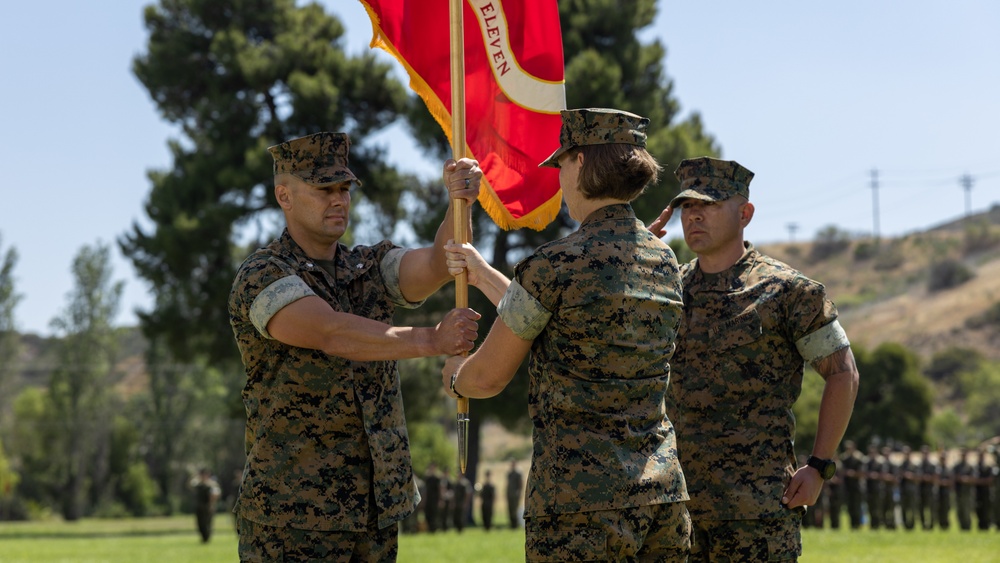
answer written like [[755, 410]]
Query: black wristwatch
[[827, 467]]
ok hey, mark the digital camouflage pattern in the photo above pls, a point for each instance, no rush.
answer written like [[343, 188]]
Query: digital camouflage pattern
[[962, 473], [322, 431], [909, 490], [875, 488], [710, 179], [853, 474], [890, 477], [598, 126], [599, 370], [928, 476], [319, 159], [656, 532], [771, 539], [259, 543], [737, 371]]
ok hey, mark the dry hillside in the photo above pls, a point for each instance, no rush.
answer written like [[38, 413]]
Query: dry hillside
[[884, 294]]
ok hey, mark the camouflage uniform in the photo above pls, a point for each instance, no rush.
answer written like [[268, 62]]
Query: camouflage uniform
[[326, 443], [835, 492], [601, 439], [327, 447], [984, 492], [945, 482], [909, 491], [963, 474], [740, 355], [874, 488], [996, 487], [890, 480], [928, 475], [853, 465]]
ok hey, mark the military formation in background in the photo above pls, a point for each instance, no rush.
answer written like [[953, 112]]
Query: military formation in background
[[446, 502], [895, 488]]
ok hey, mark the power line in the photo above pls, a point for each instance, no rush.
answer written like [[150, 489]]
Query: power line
[[875, 231], [792, 227], [966, 182]]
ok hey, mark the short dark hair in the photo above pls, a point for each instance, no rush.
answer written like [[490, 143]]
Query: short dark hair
[[616, 171]]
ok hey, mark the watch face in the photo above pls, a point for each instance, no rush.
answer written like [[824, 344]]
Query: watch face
[[826, 467], [829, 470]]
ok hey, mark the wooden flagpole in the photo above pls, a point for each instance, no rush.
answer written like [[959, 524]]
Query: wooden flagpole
[[460, 211]]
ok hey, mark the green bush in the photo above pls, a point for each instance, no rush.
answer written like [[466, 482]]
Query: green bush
[[865, 250], [948, 364], [429, 443], [138, 491], [948, 273], [681, 250], [989, 317], [890, 258], [981, 236], [830, 241]]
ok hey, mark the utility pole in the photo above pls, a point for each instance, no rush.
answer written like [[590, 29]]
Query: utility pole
[[966, 182], [792, 227], [875, 232]]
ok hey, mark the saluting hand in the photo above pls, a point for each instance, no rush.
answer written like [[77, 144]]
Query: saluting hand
[[659, 225]]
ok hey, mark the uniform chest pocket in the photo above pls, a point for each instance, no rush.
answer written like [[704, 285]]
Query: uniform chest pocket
[[740, 330]]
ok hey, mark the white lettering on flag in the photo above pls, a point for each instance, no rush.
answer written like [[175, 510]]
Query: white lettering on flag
[[523, 89]]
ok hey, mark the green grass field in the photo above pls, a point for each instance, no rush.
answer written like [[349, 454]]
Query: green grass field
[[174, 539]]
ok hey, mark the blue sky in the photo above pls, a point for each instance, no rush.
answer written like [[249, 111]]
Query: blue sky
[[811, 96]]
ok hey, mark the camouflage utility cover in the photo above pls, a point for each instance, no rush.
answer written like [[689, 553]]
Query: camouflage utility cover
[[322, 431], [598, 126], [319, 159], [710, 179], [737, 371], [599, 368]]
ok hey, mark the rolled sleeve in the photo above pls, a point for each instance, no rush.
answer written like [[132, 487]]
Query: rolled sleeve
[[823, 342], [522, 313], [389, 268], [274, 297]]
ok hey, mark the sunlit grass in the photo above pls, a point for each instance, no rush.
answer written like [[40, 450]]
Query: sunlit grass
[[175, 539]]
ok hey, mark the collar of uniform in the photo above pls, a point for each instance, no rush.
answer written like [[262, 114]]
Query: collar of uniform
[[732, 279], [305, 263], [614, 211]]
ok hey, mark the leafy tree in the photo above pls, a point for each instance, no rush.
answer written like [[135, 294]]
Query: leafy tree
[[9, 345], [980, 236], [236, 76], [988, 318], [169, 405], [830, 241], [982, 404], [894, 400], [947, 365], [80, 388], [33, 444], [806, 411], [947, 273], [8, 480], [947, 429]]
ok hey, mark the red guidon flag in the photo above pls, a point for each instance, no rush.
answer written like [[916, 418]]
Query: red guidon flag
[[514, 89]]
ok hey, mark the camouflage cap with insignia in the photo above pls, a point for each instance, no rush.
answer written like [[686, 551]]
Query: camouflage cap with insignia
[[319, 159], [598, 126], [711, 179]]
